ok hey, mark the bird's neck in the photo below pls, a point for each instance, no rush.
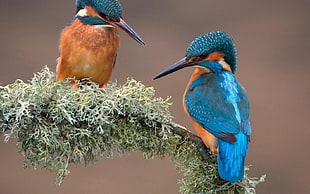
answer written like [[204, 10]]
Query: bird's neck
[[200, 71], [218, 57], [197, 73], [88, 16], [94, 21]]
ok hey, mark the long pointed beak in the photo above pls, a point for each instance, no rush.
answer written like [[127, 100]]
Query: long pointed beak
[[177, 66], [122, 25]]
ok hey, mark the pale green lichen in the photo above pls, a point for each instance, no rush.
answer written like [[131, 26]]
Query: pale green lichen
[[56, 124]]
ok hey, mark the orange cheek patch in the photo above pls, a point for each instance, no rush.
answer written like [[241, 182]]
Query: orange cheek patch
[[215, 56], [91, 12]]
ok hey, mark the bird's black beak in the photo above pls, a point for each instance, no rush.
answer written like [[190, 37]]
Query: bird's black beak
[[177, 66], [122, 25]]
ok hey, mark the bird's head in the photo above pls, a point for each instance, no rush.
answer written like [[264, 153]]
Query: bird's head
[[212, 52], [108, 11]]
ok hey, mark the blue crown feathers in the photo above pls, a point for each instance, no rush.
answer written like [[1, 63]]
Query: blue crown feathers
[[212, 42]]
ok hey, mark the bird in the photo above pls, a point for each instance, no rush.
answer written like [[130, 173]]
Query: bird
[[89, 41], [215, 102]]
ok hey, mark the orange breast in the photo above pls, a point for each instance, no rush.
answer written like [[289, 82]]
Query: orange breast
[[209, 140], [87, 52]]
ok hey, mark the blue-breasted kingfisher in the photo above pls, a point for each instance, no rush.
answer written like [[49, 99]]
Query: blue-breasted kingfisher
[[90, 41], [217, 105]]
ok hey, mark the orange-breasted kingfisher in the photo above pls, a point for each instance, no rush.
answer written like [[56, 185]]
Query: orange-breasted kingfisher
[[90, 41], [215, 102]]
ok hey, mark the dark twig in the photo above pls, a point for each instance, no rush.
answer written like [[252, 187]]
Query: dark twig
[[185, 133]]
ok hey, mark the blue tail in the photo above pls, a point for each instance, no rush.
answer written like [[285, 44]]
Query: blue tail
[[231, 158]]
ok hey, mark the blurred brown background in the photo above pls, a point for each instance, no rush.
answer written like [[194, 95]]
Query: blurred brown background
[[272, 39]]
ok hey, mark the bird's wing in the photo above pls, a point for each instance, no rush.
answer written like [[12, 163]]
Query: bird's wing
[[208, 104]]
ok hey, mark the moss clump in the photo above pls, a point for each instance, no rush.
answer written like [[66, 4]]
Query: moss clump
[[56, 124]]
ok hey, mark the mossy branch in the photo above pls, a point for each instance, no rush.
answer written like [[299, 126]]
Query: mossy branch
[[56, 124]]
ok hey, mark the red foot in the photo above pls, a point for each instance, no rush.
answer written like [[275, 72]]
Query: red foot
[[103, 86], [75, 85]]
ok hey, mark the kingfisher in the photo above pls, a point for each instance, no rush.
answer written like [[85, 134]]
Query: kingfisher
[[217, 105], [90, 41]]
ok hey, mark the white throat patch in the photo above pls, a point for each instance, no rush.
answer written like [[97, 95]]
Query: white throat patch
[[82, 13], [225, 65], [103, 27]]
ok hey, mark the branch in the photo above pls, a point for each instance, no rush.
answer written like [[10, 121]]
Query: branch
[[56, 125]]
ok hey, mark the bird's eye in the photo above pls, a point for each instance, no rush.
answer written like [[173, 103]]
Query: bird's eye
[[111, 19], [192, 59], [204, 55], [107, 18], [199, 58]]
